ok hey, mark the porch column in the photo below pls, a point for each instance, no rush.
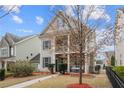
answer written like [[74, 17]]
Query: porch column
[[68, 64], [53, 55], [5, 65], [68, 55], [40, 66], [86, 57], [86, 64], [0, 65]]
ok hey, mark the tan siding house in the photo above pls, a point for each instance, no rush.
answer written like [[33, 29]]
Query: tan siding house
[[58, 51]]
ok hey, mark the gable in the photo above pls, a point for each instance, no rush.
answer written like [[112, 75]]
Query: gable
[[56, 24], [3, 43]]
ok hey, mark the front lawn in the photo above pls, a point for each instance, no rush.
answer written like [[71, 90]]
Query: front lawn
[[13, 80], [61, 81]]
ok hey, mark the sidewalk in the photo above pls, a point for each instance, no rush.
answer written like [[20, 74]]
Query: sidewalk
[[102, 77], [28, 83]]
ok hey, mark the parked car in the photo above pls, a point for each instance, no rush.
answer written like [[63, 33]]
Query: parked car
[[75, 68]]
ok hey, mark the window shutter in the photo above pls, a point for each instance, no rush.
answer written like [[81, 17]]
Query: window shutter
[[43, 62]]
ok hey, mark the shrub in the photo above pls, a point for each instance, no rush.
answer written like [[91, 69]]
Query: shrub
[[8, 74], [104, 66], [112, 61], [62, 68], [2, 74], [97, 68], [22, 68], [119, 70], [51, 68]]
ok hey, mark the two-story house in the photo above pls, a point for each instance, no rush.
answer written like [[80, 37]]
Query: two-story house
[[56, 48], [13, 48]]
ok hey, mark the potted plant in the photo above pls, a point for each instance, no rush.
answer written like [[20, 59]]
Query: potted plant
[[51, 68], [97, 68], [62, 68]]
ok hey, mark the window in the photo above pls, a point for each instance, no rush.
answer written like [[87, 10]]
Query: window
[[120, 59], [46, 61], [60, 24], [120, 62], [4, 52], [46, 44], [12, 51]]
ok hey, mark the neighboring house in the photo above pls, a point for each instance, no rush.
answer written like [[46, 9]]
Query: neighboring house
[[13, 48], [119, 38], [55, 47]]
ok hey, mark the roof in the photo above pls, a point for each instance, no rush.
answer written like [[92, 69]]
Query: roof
[[58, 15], [36, 59], [10, 39]]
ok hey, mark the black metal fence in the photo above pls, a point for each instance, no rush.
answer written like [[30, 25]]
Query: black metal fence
[[116, 81]]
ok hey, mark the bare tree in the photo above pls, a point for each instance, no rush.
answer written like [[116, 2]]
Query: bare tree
[[81, 28]]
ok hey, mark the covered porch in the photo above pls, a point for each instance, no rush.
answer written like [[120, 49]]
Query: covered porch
[[5, 63], [69, 59], [73, 63]]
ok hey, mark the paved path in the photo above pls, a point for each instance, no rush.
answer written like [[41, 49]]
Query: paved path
[[28, 83], [102, 77]]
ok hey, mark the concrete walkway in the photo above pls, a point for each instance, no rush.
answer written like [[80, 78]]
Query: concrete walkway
[[28, 83]]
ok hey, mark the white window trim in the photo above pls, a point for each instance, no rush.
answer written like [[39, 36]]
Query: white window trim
[[49, 59], [49, 47], [7, 52]]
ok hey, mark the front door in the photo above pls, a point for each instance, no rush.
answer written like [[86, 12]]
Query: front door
[[58, 61]]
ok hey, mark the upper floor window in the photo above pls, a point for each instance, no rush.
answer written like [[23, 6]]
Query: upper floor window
[[4, 52], [60, 24], [47, 44]]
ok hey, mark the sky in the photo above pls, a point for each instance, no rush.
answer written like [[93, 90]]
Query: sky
[[33, 19], [27, 20]]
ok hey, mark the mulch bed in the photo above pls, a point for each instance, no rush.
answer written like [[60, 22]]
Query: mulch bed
[[83, 85], [41, 73], [77, 74]]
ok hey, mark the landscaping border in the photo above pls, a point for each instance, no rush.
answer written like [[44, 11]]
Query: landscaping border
[[116, 81]]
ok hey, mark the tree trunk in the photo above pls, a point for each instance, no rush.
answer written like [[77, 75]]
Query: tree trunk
[[80, 78], [82, 67]]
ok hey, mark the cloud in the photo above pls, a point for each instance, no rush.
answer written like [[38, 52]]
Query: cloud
[[69, 10], [39, 20], [16, 8], [25, 30], [99, 34], [17, 19], [98, 11]]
